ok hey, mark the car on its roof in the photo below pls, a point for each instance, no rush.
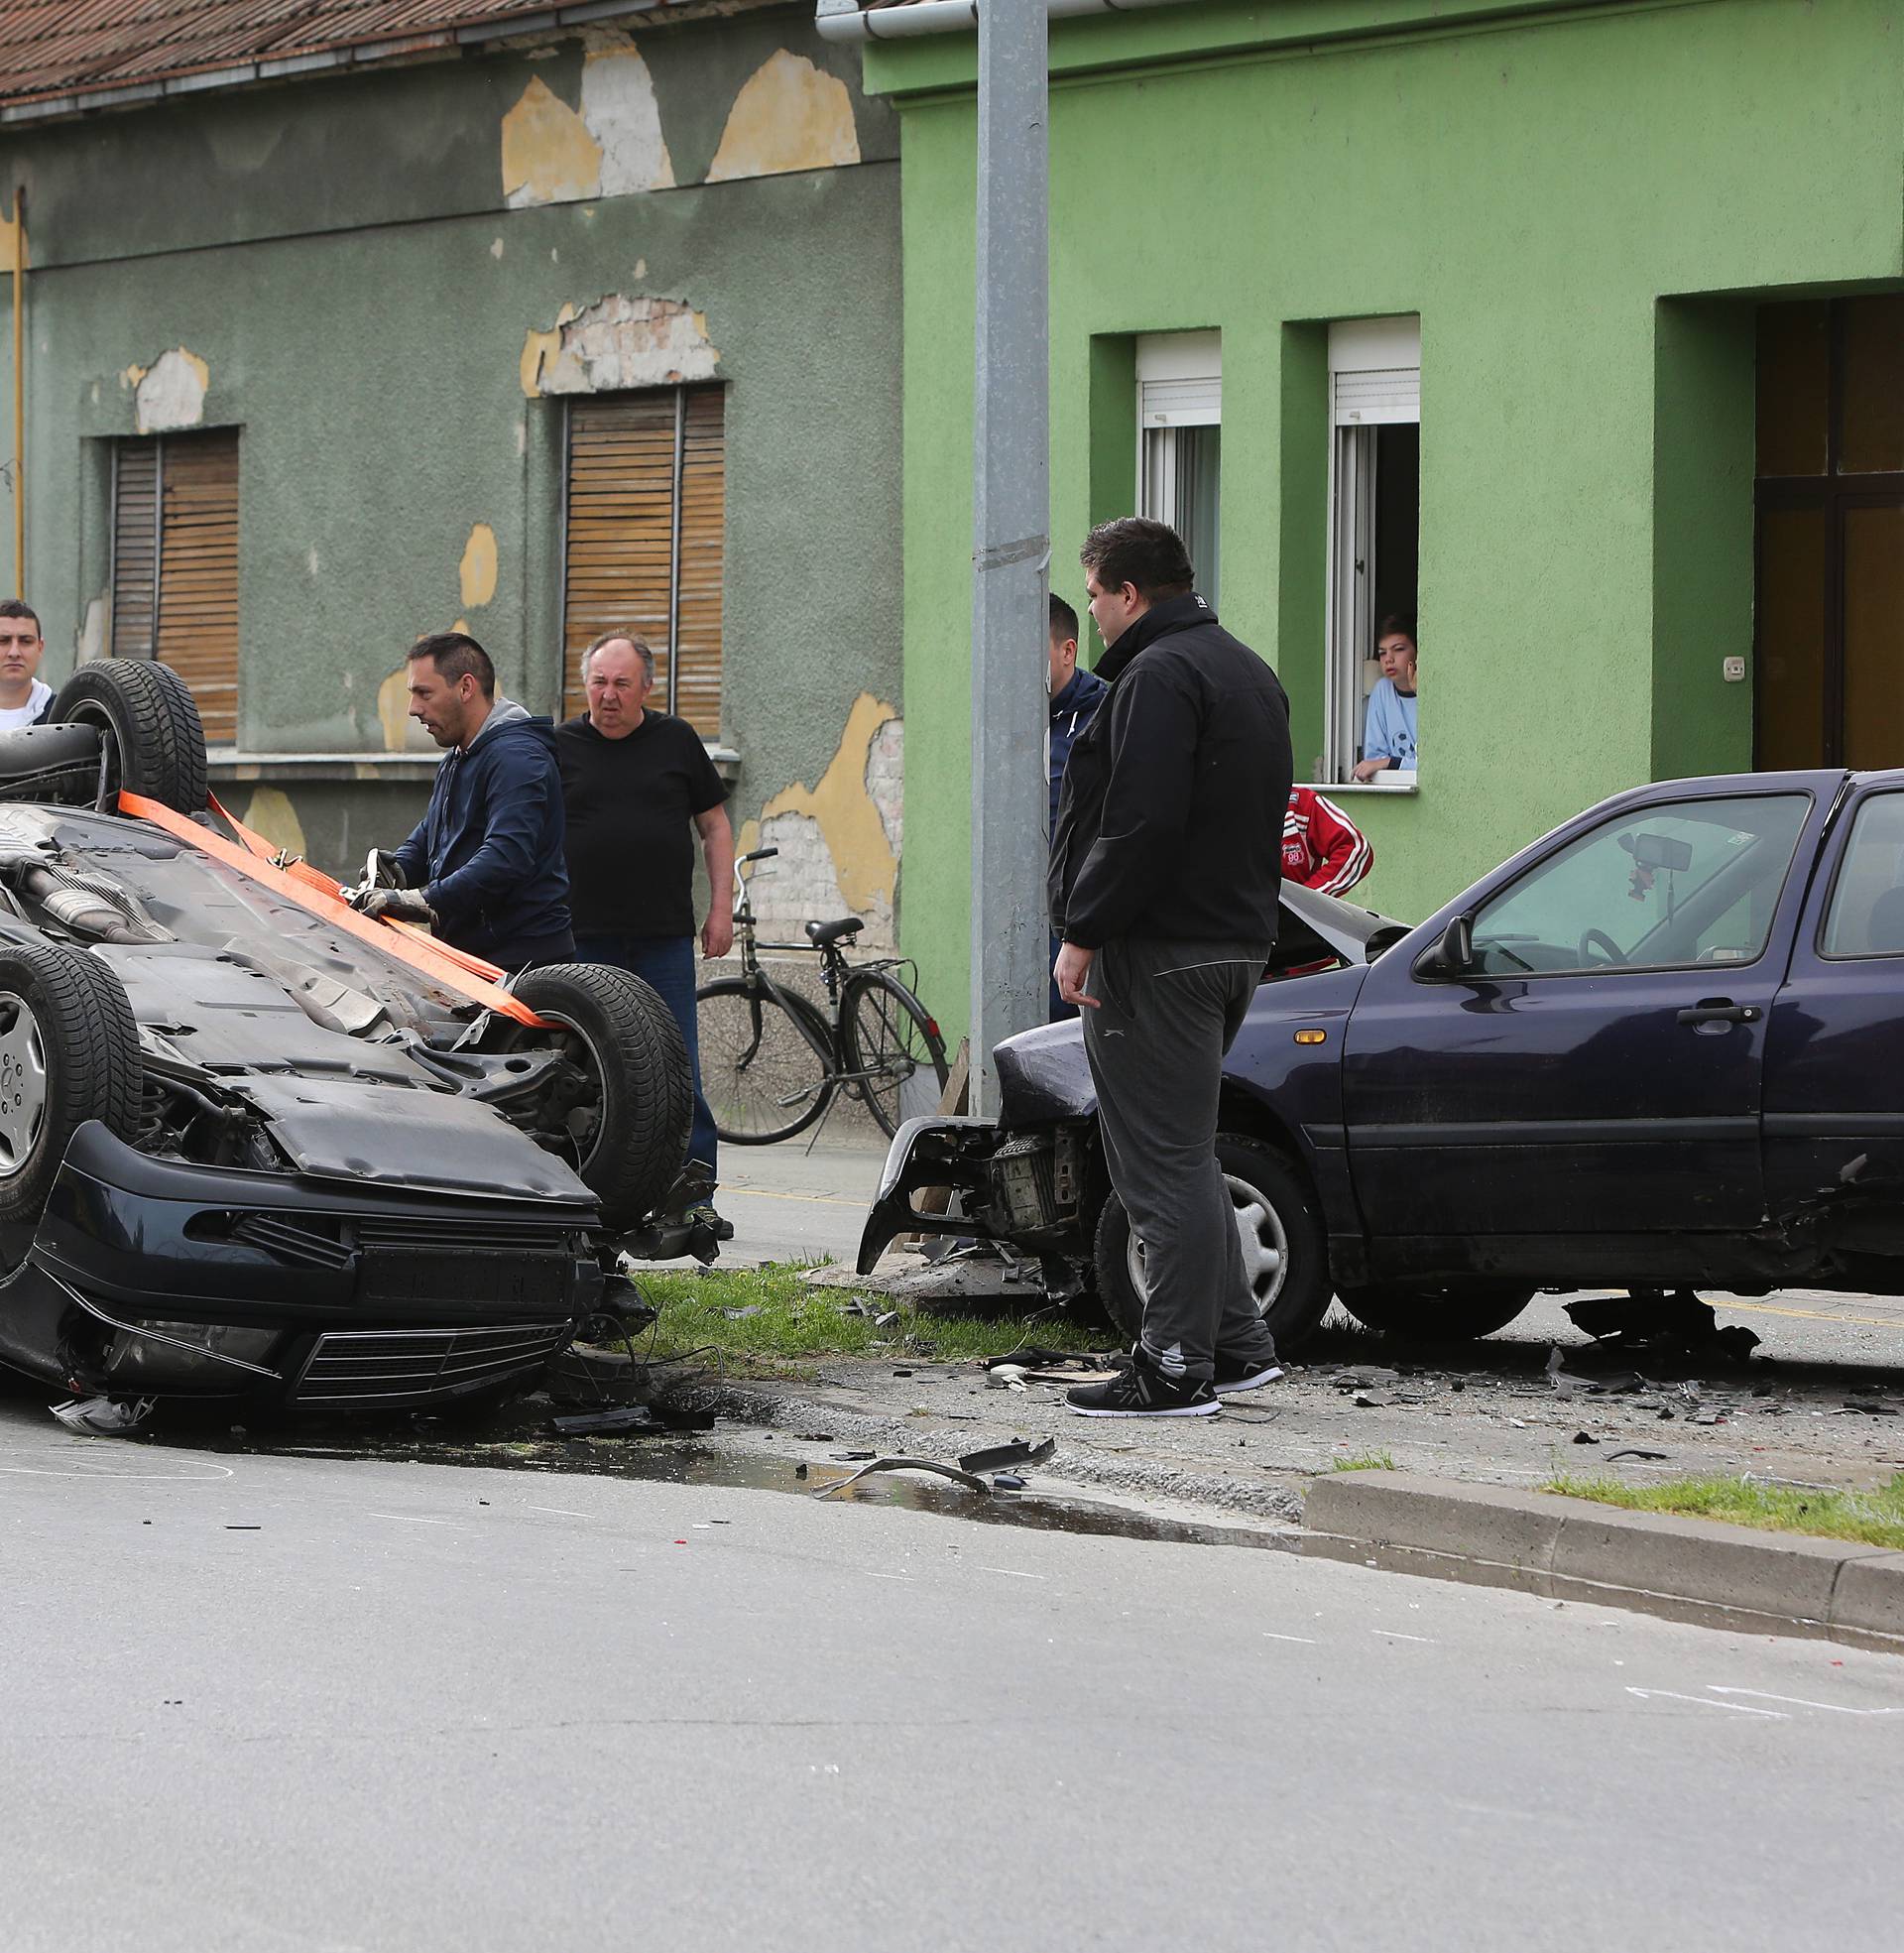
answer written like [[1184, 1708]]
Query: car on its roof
[[256, 1144], [1660, 1047]]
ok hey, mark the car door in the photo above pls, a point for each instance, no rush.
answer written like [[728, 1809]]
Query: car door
[[1835, 1048], [1596, 1067]]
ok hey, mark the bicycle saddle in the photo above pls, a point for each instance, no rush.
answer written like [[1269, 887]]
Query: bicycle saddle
[[819, 934]]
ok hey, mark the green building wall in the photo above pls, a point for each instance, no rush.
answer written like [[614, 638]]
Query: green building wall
[[1583, 204], [339, 253]]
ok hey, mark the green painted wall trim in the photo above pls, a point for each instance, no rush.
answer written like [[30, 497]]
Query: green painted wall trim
[[1302, 564], [1220, 30], [1704, 357]]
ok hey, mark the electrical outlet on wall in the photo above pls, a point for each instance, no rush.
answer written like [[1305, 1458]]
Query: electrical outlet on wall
[[1734, 669]]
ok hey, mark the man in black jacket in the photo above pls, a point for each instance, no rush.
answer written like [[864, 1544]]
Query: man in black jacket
[[1165, 873]]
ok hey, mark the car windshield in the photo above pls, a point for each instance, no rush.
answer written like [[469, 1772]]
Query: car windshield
[[1689, 882]]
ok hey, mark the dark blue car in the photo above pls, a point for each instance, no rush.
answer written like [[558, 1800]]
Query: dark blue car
[[1662, 1046]]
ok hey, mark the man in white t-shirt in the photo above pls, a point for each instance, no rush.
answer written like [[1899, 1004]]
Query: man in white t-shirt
[[25, 697]]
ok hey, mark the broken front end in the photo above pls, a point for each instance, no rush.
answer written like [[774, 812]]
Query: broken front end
[[1034, 1179]]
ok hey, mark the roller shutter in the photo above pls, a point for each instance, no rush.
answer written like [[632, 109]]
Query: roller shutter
[[645, 525], [175, 580]]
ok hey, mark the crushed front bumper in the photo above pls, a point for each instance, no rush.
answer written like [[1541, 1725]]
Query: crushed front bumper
[[157, 1276], [1028, 1190]]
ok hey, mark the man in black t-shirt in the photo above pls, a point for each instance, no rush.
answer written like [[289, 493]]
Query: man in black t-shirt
[[638, 785]]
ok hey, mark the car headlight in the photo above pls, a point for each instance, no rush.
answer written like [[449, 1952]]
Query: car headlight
[[159, 1352]]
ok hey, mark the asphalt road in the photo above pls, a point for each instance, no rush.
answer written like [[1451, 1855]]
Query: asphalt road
[[261, 1703]]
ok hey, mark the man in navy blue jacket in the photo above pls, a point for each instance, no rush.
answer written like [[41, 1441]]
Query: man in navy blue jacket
[[484, 867], [1076, 693]]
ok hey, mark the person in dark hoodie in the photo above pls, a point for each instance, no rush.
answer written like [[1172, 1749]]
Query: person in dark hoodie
[[1075, 695], [1165, 878], [484, 867]]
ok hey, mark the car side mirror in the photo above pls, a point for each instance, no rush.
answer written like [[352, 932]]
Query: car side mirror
[[1453, 955]]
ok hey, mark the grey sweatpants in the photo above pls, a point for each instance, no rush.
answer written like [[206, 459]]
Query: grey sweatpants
[[1168, 1013]]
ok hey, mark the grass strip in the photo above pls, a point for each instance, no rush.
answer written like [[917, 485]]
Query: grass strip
[[769, 1320], [1872, 1518]]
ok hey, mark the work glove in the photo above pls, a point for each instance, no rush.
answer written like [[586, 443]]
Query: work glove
[[394, 906]]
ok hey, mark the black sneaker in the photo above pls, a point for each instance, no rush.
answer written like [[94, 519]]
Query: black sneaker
[[723, 1228], [1245, 1373], [1142, 1391]]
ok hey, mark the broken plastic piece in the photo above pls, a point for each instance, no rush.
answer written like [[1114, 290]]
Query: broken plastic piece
[[931, 1465], [634, 1420], [104, 1417], [1020, 1451], [1634, 1451]]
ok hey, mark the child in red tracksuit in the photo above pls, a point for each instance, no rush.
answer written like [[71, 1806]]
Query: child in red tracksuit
[[1321, 848]]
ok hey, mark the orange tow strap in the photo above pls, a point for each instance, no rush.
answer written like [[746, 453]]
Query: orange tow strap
[[317, 895]]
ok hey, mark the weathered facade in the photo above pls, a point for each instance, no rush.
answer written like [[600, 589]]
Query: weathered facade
[[530, 332], [1573, 327]]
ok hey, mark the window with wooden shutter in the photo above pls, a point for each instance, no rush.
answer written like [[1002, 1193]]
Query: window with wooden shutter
[[646, 517], [174, 565]]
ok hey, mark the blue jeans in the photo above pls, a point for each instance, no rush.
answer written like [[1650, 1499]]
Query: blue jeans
[[665, 963]]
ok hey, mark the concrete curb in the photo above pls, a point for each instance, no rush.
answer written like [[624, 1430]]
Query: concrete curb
[[1690, 1569]]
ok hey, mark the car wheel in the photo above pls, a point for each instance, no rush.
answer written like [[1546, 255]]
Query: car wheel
[[1284, 1252], [628, 1137], [155, 742], [1450, 1312], [68, 1053]]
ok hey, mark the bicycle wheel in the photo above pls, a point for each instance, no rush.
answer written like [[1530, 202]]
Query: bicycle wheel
[[761, 1077], [894, 1047]]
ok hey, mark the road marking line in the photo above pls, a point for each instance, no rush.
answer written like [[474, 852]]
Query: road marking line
[[563, 1510], [1011, 1572], [1799, 1701], [410, 1518], [1706, 1702], [1815, 1315], [1303, 1639], [1395, 1635], [808, 1200]]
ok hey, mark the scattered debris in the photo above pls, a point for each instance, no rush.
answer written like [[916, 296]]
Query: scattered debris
[[953, 1472], [1635, 1451], [1007, 1482], [740, 1314], [1018, 1451], [104, 1417], [632, 1420], [1675, 1324], [1005, 1377], [1585, 1437]]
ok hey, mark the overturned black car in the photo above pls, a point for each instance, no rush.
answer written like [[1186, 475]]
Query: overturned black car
[[256, 1144]]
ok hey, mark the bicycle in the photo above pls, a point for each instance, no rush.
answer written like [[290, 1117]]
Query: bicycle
[[771, 1061]]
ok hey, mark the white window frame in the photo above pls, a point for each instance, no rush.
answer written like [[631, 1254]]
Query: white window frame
[[1374, 380], [1180, 385]]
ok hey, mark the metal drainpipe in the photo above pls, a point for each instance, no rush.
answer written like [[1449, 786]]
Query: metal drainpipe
[[19, 393], [844, 20]]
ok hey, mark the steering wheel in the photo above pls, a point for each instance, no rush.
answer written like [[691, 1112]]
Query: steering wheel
[[1599, 939]]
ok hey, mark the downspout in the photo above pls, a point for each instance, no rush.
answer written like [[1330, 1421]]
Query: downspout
[[845, 20], [19, 393]]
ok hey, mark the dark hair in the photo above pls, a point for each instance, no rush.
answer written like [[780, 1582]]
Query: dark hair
[[634, 638], [1136, 549], [13, 607], [1064, 619], [457, 656], [1403, 621]]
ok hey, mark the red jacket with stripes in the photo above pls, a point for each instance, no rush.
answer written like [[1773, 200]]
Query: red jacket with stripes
[[1321, 848]]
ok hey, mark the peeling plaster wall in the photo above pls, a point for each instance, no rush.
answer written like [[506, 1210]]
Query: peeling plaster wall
[[336, 272], [838, 840]]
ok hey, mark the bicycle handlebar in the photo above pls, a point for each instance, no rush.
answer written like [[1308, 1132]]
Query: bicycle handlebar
[[759, 854]]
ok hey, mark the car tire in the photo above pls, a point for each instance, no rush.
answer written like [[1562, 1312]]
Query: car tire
[[1443, 1312], [631, 1151], [68, 1053], [154, 740], [1277, 1211]]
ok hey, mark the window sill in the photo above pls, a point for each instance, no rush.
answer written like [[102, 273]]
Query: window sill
[[1404, 786], [231, 762]]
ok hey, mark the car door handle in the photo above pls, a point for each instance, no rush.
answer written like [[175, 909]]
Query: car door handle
[[1720, 1010]]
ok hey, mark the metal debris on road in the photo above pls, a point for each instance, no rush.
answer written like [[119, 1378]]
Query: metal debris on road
[[1018, 1451], [632, 1420], [958, 1477]]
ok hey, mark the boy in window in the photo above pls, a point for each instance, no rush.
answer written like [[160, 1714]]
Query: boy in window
[[1388, 733]]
